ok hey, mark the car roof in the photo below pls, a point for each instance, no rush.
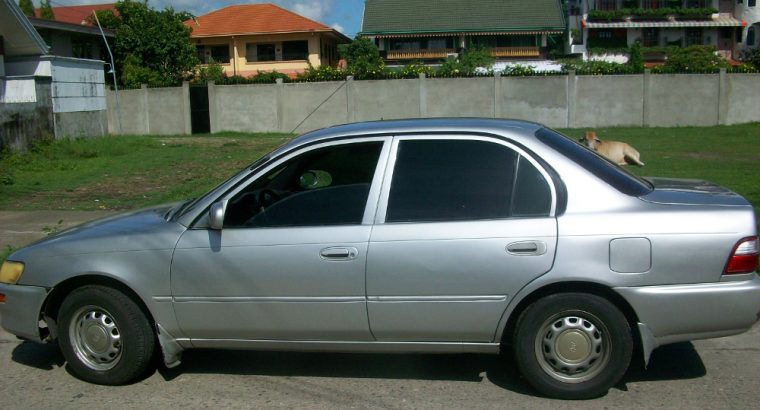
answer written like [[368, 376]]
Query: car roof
[[410, 126]]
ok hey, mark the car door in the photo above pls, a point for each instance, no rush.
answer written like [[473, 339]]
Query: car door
[[464, 223], [289, 263]]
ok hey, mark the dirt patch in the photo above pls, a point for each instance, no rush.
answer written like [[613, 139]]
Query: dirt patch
[[702, 155]]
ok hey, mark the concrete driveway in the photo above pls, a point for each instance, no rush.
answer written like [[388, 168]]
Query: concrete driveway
[[709, 374]]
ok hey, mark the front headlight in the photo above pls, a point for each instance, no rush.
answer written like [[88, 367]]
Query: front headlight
[[10, 272]]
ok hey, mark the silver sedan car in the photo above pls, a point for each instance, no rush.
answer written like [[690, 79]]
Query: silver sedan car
[[436, 236]]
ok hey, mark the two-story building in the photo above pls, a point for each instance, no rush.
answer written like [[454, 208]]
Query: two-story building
[[246, 39], [432, 30], [613, 24]]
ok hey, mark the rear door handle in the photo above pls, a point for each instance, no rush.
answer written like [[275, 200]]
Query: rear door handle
[[339, 253], [526, 248]]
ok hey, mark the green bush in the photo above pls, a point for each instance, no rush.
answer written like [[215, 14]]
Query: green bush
[[322, 73], [635, 60], [362, 58], [694, 59], [213, 71]]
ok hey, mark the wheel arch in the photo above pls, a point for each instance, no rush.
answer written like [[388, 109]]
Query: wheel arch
[[573, 287], [56, 296]]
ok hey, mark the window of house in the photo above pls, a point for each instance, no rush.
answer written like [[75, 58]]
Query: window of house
[[750, 3], [81, 49], [295, 50], [265, 52], [405, 44], [650, 37], [200, 52], [751, 36], [325, 186], [220, 53], [458, 180], [693, 36]]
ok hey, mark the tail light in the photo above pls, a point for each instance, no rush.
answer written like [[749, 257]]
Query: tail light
[[744, 258]]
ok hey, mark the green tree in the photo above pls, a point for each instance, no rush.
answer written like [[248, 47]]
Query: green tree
[[468, 62], [362, 58], [27, 7], [46, 10], [754, 58], [636, 60], [155, 40], [107, 18]]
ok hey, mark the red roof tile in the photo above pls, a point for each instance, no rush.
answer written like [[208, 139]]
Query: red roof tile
[[250, 19], [77, 14]]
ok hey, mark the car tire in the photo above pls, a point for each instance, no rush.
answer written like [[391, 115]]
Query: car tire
[[573, 345], [105, 336]]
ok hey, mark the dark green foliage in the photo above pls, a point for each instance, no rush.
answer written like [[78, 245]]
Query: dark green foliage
[[107, 19], [156, 42], [694, 59], [468, 62], [635, 60], [46, 10], [27, 7], [754, 58], [213, 71], [322, 73], [597, 67], [363, 58]]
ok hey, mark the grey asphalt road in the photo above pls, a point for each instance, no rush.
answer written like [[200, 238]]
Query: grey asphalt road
[[708, 374]]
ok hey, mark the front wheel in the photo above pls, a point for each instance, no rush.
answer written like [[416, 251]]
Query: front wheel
[[104, 336], [573, 345]]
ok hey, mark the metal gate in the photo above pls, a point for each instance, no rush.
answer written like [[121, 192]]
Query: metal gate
[[199, 112]]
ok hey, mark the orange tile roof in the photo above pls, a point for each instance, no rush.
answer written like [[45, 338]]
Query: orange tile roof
[[252, 19], [77, 14]]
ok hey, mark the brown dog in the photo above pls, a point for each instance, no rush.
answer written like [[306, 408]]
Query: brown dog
[[618, 152]]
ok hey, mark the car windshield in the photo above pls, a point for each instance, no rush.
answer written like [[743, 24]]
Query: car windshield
[[603, 168]]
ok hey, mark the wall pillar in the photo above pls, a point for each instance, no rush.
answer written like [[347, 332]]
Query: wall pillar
[[350, 104], [188, 123], [279, 104], [146, 109], [723, 97], [647, 98], [423, 96], [571, 96], [212, 114], [497, 111]]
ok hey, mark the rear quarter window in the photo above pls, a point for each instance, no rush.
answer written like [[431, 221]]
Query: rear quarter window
[[603, 169]]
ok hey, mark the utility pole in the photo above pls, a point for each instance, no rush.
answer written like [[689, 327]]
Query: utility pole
[[113, 71]]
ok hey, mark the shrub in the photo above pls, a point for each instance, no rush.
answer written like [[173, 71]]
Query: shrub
[[694, 59], [635, 60], [211, 72], [362, 58]]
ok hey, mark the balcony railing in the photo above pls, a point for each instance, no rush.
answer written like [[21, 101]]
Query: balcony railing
[[433, 53], [444, 52], [515, 52]]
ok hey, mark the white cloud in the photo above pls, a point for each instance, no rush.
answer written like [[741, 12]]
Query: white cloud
[[314, 9], [338, 27]]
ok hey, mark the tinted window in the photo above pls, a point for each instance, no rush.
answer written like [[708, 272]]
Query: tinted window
[[295, 50], [327, 186], [604, 169], [446, 180], [532, 196]]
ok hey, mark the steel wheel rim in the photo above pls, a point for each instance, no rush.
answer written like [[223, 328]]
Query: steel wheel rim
[[96, 338], [573, 347]]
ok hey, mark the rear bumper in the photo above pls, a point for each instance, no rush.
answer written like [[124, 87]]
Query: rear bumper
[[676, 313], [20, 314]]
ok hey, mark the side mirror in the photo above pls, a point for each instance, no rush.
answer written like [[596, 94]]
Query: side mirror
[[216, 215]]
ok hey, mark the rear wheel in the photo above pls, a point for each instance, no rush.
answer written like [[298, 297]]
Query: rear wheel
[[573, 345], [104, 335]]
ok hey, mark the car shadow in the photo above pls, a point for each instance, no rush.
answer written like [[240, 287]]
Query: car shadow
[[679, 361], [37, 355], [674, 362]]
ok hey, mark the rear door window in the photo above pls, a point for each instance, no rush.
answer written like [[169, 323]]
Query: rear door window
[[461, 180]]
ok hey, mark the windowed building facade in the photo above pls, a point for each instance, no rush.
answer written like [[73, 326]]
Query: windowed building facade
[[250, 38]]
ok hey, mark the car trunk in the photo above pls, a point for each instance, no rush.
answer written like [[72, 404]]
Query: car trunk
[[691, 192]]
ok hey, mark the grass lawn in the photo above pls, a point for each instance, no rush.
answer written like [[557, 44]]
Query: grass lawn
[[132, 172]]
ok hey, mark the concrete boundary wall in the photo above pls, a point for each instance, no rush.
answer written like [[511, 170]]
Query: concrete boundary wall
[[567, 101]]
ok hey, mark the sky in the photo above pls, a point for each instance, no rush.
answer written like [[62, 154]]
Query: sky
[[343, 15]]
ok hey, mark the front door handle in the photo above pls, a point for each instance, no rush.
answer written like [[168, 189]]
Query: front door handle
[[339, 253], [526, 248]]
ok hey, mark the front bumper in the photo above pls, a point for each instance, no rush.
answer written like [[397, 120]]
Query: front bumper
[[676, 313], [20, 314]]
